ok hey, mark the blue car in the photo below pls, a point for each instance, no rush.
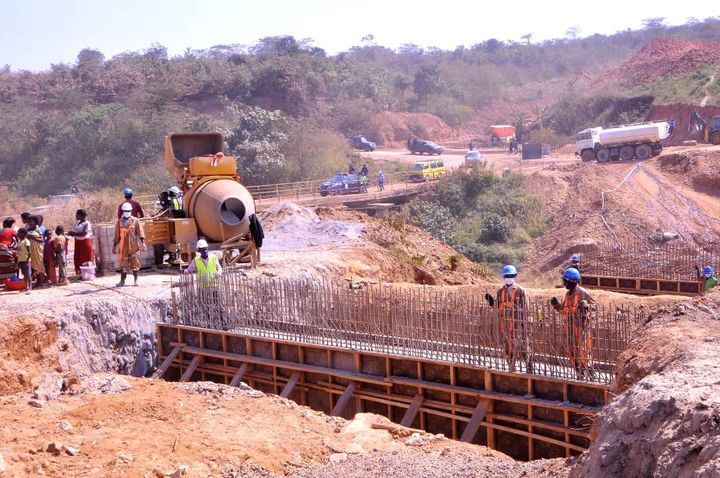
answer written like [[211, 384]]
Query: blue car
[[344, 183], [420, 147], [359, 142]]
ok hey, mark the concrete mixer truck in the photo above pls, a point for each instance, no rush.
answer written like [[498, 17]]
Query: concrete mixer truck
[[625, 142], [217, 207]]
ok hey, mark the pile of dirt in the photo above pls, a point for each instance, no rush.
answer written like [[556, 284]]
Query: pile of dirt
[[665, 56], [395, 128], [28, 348], [698, 169], [666, 419], [651, 199], [157, 428], [400, 252], [681, 114]]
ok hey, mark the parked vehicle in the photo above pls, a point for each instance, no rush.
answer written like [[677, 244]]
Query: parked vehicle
[[360, 142], [473, 158], [426, 170], [622, 143], [710, 133], [420, 147], [344, 183]]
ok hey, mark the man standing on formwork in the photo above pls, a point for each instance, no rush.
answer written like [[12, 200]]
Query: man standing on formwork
[[130, 238], [207, 268], [513, 307], [575, 309]]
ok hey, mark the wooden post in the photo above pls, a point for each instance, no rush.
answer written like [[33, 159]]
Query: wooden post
[[409, 416], [191, 368], [290, 385], [344, 399], [166, 363], [490, 430], [475, 420], [237, 378]]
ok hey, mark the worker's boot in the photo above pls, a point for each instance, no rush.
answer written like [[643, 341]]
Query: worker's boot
[[123, 276], [135, 276]]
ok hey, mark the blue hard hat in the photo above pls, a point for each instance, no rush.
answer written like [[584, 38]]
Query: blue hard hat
[[127, 192], [509, 271], [575, 258], [571, 274], [708, 270]]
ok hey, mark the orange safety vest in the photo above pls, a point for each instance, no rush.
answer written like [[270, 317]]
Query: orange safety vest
[[507, 324], [575, 331]]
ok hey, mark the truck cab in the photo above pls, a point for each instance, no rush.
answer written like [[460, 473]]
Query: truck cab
[[585, 144]]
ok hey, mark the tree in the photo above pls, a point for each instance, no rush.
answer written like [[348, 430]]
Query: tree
[[519, 120], [427, 81], [527, 37], [654, 24], [573, 32]]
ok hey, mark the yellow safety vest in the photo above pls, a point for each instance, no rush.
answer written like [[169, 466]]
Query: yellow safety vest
[[206, 275], [175, 204]]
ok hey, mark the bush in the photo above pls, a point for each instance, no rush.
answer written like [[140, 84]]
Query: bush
[[449, 109], [433, 218], [495, 228]]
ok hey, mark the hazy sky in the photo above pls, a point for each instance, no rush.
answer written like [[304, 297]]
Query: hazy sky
[[36, 33]]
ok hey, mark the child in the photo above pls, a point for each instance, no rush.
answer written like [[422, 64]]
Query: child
[[24, 257], [59, 246], [49, 256]]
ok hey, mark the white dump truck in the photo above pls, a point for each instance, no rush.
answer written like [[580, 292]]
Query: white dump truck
[[624, 143]]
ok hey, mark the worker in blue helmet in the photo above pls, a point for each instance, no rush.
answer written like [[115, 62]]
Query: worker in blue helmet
[[707, 276], [575, 262], [576, 309], [137, 210], [513, 305]]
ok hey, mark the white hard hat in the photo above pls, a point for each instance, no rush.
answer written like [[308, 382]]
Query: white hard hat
[[175, 190], [201, 244], [126, 207]]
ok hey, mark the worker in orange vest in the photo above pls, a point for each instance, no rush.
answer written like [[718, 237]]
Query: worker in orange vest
[[575, 309], [513, 306]]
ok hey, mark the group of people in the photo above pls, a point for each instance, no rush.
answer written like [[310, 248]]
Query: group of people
[[41, 252], [514, 316], [364, 175]]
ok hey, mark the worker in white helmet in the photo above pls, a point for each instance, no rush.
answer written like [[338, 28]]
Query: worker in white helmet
[[205, 265], [207, 268], [175, 203], [129, 240]]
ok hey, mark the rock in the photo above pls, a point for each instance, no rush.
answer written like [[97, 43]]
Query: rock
[[36, 403], [338, 457], [126, 457], [71, 450], [105, 383], [2, 464], [354, 448], [50, 387], [414, 440], [255, 394], [710, 339], [65, 426], [54, 447]]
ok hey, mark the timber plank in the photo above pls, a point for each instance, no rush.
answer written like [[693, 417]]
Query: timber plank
[[191, 368], [237, 378], [290, 385], [166, 363], [409, 416], [477, 417], [344, 399]]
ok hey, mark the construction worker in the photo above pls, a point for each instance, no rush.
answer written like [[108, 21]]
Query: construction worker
[[708, 278], [207, 269], [381, 181], [175, 202], [137, 210], [513, 306], [575, 309], [131, 239], [575, 262]]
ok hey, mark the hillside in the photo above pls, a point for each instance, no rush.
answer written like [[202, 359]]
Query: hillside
[[285, 104]]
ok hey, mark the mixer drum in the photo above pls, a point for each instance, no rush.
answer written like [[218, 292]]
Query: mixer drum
[[221, 209]]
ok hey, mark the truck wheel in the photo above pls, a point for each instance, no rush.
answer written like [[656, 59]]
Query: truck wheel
[[627, 153], [715, 137], [602, 155], [588, 155], [643, 152]]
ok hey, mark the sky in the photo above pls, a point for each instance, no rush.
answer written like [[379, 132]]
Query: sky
[[38, 33]]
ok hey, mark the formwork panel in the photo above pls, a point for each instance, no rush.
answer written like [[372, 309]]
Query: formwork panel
[[511, 445], [191, 338], [594, 397], [262, 348], [436, 424], [213, 342], [548, 450], [470, 378], [404, 368], [236, 345], [509, 384], [510, 408], [550, 415], [319, 400], [372, 365], [314, 356], [436, 372], [343, 361], [548, 390], [288, 353]]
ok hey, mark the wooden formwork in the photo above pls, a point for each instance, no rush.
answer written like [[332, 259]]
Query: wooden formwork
[[643, 286], [525, 416]]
